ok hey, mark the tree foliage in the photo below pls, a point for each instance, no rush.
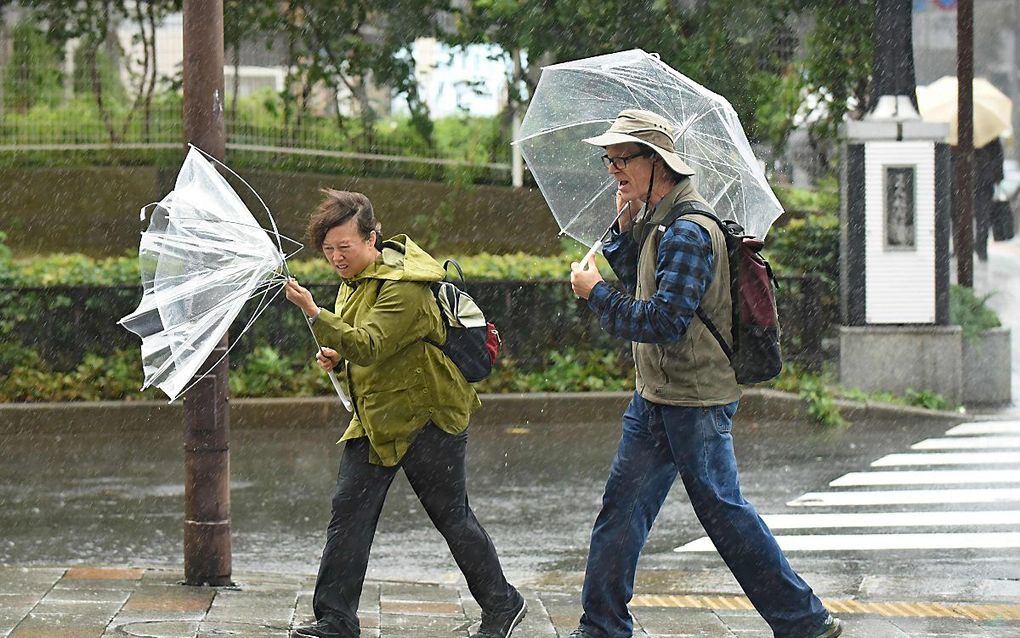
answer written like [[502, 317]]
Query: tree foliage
[[335, 51], [93, 25], [33, 74]]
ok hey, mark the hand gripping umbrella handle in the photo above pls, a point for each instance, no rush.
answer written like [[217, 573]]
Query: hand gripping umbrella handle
[[340, 392], [597, 246]]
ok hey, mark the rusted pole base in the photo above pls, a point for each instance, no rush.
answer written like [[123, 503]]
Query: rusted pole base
[[207, 552]]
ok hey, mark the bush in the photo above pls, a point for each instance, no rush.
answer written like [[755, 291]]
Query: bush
[[971, 312], [268, 373], [571, 370], [808, 244]]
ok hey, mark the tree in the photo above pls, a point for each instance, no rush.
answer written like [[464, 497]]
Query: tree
[[33, 74], [725, 44], [94, 24], [837, 69]]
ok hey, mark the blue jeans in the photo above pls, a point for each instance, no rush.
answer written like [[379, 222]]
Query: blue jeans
[[659, 442]]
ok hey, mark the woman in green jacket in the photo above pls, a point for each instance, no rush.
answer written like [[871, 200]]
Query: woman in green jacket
[[411, 410]]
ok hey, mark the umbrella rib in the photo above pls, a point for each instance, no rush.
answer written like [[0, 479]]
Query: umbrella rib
[[199, 318], [190, 341], [561, 127], [254, 192], [263, 305], [237, 223], [591, 201]]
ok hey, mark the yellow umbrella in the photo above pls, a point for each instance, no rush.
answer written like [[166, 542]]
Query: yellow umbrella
[[992, 109]]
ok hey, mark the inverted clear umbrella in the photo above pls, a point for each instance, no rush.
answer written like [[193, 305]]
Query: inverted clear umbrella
[[993, 110], [202, 258], [577, 100]]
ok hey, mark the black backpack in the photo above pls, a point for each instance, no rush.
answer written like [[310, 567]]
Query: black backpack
[[755, 354], [472, 343]]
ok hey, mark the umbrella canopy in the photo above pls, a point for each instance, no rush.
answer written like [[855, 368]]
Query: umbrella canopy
[[202, 258], [579, 99], [993, 110]]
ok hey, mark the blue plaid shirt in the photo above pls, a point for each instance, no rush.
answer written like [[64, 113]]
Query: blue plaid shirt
[[684, 267]]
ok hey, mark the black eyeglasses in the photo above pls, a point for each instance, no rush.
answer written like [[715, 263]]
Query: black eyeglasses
[[621, 162]]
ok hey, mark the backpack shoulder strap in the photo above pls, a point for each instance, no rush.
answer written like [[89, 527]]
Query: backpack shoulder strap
[[694, 207], [689, 207]]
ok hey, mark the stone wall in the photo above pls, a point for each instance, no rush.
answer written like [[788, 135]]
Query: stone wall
[[95, 210]]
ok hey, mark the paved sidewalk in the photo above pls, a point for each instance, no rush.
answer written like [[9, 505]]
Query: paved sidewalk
[[95, 602]]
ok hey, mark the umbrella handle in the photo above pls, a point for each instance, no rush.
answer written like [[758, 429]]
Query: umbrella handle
[[346, 400], [597, 246]]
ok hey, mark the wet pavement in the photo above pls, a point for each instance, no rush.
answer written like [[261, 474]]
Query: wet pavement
[[103, 602], [90, 536]]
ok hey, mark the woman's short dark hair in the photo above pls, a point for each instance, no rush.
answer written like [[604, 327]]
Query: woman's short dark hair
[[338, 208]]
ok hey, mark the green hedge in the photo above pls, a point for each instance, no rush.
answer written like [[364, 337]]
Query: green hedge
[[49, 302]]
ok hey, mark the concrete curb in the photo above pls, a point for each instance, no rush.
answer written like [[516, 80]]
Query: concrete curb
[[757, 405]]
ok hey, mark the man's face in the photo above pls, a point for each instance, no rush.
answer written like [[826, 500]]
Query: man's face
[[632, 180], [346, 251]]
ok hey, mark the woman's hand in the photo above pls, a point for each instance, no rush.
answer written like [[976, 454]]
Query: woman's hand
[[327, 358], [300, 297]]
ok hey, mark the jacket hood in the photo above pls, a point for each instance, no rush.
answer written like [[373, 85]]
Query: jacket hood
[[402, 260]]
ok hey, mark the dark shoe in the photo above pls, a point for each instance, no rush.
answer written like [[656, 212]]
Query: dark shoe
[[502, 624], [581, 632], [318, 629], [833, 627]]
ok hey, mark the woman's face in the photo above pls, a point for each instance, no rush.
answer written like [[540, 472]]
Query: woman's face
[[346, 251], [632, 179]]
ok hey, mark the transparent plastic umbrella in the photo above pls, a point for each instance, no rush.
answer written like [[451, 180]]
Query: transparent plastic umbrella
[[202, 258], [579, 99]]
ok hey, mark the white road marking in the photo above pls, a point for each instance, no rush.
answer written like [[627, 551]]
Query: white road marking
[[872, 542], [926, 477], [891, 519], [969, 443], [949, 458], [985, 427], [905, 497]]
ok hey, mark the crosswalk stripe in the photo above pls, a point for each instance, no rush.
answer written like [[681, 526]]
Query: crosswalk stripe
[[969, 443], [905, 497], [873, 542], [926, 477], [985, 427], [891, 519], [949, 458]]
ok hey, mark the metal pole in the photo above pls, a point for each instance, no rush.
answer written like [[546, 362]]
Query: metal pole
[[1015, 78], [963, 159], [514, 99], [207, 557]]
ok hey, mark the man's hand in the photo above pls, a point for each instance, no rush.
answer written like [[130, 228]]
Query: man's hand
[[629, 212], [300, 297], [583, 278], [327, 358]]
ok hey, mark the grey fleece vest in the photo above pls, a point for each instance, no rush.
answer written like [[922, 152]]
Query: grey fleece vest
[[693, 371]]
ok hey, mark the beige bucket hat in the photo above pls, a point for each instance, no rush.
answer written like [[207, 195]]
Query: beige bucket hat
[[647, 128]]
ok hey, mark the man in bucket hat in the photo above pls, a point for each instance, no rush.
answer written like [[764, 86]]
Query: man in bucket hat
[[679, 419]]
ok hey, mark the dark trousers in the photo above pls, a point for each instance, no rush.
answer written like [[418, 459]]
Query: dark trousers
[[434, 466]]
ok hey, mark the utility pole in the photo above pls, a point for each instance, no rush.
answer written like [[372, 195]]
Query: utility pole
[[963, 152], [207, 557]]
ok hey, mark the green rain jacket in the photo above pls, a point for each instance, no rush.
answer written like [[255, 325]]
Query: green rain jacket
[[398, 382]]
